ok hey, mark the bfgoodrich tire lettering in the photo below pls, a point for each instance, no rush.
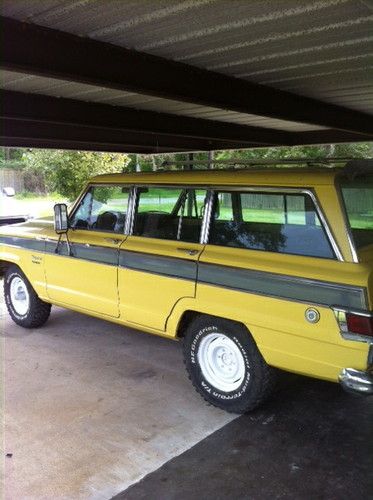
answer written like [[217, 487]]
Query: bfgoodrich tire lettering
[[35, 312], [230, 372]]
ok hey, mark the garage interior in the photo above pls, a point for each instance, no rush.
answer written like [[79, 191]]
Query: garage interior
[[92, 408]]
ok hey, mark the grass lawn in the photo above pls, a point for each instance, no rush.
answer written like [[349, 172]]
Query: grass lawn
[[37, 205]]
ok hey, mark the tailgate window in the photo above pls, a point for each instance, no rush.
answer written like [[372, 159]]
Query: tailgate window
[[358, 198]]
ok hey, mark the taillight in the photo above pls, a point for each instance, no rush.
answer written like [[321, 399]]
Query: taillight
[[359, 324], [355, 325]]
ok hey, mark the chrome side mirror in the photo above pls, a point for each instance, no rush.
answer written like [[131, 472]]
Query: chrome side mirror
[[61, 220]]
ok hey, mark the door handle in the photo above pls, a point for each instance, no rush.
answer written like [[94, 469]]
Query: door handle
[[114, 241], [189, 251]]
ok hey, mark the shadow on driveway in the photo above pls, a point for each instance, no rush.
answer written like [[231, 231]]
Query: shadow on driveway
[[310, 441]]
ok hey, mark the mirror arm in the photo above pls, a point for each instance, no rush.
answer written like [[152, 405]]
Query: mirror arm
[[68, 245]]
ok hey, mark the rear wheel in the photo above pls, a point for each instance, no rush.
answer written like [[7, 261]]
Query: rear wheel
[[24, 306], [225, 365]]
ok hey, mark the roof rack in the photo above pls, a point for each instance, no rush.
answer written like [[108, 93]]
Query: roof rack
[[268, 162], [349, 166]]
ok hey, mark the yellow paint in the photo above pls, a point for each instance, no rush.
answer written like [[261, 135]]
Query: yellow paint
[[90, 284], [147, 299], [156, 304]]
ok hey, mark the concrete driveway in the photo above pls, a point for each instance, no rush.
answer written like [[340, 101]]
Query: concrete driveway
[[91, 407], [93, 410]]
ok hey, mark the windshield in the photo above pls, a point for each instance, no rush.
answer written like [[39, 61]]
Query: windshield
[[358, 198]]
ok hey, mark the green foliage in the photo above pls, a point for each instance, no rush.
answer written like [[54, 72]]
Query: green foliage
[[67, 171], [354, 150], [11, 158], [147, 163]]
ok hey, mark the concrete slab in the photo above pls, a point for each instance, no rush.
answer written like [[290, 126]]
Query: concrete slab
[[91, 407]]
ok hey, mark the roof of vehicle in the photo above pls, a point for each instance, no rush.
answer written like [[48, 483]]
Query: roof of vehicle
[[264, 176]]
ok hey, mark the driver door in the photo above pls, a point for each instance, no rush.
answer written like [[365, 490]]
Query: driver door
[[81, 269]]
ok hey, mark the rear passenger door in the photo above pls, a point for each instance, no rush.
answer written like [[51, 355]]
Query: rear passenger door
[[158, 261], [258, 241]]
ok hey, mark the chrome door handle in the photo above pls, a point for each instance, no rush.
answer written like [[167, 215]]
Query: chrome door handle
[[189, 251], [114, 241]]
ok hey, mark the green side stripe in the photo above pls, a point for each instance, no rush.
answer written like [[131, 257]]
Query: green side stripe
[[103, 255], [165, 266], [300, 289], [256, 282], [28, 243]]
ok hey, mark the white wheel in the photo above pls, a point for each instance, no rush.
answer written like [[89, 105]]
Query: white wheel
[[225, 365], [24, 306], [221, 362], [19, 296]]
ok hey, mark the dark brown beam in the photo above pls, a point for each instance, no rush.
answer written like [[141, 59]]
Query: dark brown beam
[[23, 106], [329, 137], [68, 135], [44, 109], [37, 50], [16, 142]]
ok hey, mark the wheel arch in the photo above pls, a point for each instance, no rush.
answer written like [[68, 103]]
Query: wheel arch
[[5, 264], [190, 315]]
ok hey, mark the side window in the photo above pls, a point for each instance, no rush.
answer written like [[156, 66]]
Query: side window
[[283, 223], [169, 213], [103, 208]]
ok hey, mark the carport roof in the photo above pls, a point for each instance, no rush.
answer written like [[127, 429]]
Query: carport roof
[[164, 75]]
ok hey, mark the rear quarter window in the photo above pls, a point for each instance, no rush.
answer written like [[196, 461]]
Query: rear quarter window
[[273, 222], [357, 195]]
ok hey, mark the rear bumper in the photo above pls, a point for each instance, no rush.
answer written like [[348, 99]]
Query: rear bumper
[[359, 382]]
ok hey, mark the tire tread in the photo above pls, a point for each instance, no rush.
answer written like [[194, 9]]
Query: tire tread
[[39, 310], [268, 374]]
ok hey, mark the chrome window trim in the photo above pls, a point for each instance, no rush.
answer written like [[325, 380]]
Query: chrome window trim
[[279, 190], [205, 230], [206, 221], [340, 316], [350, 239], [325, 224], [128, 228]]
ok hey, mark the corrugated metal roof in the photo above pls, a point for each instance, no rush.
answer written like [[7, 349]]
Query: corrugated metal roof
[[89, 93], [320, 48]]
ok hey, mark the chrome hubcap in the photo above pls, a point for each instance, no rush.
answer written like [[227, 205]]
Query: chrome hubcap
[[221, 362], [19, 296]]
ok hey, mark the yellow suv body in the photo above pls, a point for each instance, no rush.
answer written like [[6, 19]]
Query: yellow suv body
[[257, 269]]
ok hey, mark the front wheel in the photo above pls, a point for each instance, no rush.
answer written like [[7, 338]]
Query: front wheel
[[24, 306], [225, 365]]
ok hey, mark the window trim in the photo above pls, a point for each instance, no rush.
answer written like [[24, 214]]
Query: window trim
[[278, 190], [342, 204], [210, 190]]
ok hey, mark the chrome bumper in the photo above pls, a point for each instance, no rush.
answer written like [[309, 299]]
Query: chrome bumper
[[356, 381]]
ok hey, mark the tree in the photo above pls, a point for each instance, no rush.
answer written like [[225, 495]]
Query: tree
[[11, 158], [352, 150], [67, 171]]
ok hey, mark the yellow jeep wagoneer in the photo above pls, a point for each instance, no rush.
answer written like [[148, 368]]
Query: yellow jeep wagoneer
[[254, 269]]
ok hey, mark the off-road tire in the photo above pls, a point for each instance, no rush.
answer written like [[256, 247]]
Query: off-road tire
[[38, 311], [259, 378]]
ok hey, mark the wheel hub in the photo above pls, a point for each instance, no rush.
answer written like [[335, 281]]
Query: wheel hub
[[221, 362], [19, 296]]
